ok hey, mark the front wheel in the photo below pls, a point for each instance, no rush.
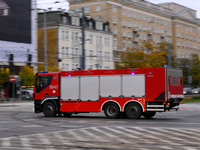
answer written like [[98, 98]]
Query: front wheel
[[49, 109], [133, 111], [149, 114], [111, 110]]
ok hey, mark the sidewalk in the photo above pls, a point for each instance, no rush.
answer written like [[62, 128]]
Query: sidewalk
[[16, 102]]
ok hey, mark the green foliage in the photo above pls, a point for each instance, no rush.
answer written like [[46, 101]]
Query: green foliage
[[191, 67], [4, 77], [196, 97], [27, 75]]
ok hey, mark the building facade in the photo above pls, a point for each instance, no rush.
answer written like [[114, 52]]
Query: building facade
[[64, 41], [135, 21]]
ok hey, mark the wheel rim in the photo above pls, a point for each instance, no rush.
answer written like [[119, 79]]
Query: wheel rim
[[49, 110], [111, 110], [133, 110]]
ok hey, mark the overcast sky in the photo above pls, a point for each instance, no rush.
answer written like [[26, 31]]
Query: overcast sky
[[194, 4]]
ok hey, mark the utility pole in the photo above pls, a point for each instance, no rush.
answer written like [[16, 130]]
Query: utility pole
[[83, 39], [45, 42]]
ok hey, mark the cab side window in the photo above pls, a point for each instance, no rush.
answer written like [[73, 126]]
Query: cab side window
[[42, 82]]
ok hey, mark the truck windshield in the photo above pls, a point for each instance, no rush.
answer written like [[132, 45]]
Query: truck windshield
[[42, 82]]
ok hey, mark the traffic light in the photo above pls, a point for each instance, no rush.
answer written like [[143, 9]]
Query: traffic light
[[29, 59], [11, 56]]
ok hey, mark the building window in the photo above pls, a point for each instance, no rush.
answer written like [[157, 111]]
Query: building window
[[158, 30], [129, 24], [67, 51], [177, 25], [144, 37], [139, 26], [178, 34], [114, 20], [129, 44], [129, 34], [161, 22], [124, 33], [114, 9], [91, 39], [124, 12], [115, 31], [157, 21], [134, 15], [124, 23], [115, 42], [124, 44], [63, 35], [75, 21], [149, 19], [99, 26], [129, 13], [90, 25], [76, 36], [144, 18], [144, 27], [67, 35], [87, 9], [134, 24], [64, 20], [139, 16], [98, 8], [106, 27]]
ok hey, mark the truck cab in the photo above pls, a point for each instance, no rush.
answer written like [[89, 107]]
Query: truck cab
[[46, 88]]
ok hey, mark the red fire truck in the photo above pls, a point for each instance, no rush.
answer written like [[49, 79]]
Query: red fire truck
[[118, 92]]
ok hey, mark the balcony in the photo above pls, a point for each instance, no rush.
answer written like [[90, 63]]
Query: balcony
[[136, 29], [136, 40], [162, 35]]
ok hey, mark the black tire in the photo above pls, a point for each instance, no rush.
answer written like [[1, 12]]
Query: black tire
[[111, 110], [67, 114], [133, 111], [149, 114], [49, 109]]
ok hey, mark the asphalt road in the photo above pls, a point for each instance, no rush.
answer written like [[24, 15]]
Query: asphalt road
[[21, 129]]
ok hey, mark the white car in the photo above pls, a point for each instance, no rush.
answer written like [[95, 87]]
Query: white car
[[26, 94]]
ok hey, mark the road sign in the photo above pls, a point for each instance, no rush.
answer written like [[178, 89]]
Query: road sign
[[12, 79]]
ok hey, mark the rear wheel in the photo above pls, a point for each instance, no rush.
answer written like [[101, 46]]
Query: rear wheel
[[111, 110], [149, 114], [133, 111], [49, 109], [67, 114]]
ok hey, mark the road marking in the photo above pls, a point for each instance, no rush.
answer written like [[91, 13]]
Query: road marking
[[70, 126], [32, 126], [91, 134], [25, 142], [5, 142]]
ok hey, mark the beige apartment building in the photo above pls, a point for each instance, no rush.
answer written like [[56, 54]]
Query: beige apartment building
[[135, 21], [64, 40]]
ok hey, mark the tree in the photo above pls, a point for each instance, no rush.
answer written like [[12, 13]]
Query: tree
[[195, 70], [148, 56], [27, 74], [4, 77]]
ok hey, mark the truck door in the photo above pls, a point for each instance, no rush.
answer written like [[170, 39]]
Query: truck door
[[42, 86]]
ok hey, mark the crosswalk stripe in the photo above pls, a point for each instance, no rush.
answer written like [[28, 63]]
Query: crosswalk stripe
[[91, 135], [109, 135], [76, 136], [62, 139], [171, 137], [44, 140], [25, 142], [6, 142]]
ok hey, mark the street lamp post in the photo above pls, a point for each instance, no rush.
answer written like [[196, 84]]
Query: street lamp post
[[45, 42], [83, 40]]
